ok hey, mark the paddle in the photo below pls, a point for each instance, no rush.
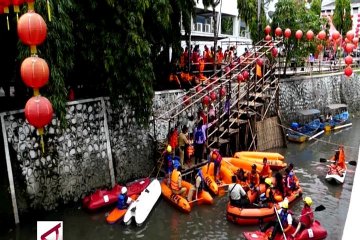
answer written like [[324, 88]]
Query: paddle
[[278, 218], [353, 163], [195, 200]]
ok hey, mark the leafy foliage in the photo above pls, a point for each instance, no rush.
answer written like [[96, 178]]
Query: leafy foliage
[[248, 12], [293, 14], [342, 16]]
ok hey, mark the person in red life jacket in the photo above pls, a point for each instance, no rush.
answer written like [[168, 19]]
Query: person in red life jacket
[[335, 168], [285, 221], [173, 138], [253, 178], [265, 171], [216, 158], [306, 218], [123, 200]]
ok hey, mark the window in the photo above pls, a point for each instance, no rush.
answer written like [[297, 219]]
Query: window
[[227, 25]]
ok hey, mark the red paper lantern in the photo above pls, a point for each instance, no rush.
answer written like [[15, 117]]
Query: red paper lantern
[[259, 62], [245, 75], [322, 35], [227, 69], [267, 29], [348, 71], [298, 34], [198, 89], [348, 60], [206, 100], [38, 111], [335, 35], [5, 4], [268, 38], [309, 35], [240, 78], [274, 52], [17, 4], [287, 33], [349, 48], [34, 72], [186, 100], [356, 40], [32, 30], [278, 32], [213, 96], [222, 92], [350, 35]]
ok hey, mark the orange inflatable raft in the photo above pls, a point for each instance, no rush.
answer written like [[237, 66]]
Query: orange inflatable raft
[[181, 202], [256, 215], [274, 164], [236, 163], [225, 176], [259, 155]]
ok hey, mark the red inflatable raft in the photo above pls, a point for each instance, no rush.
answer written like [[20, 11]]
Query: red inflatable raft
[[102, 198], [316, 232]]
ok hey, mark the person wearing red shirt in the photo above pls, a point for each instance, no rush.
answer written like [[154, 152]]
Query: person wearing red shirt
[[306, 218], [265, 171]]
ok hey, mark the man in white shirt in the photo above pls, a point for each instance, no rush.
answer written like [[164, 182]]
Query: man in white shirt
[[237, 194]]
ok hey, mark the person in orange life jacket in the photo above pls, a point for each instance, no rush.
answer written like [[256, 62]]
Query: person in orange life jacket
[[123, 200], [285, 221], [183, 143], [176, 179], [253, 178], [173, 138], [341, 157], [237, 195], [240, 173], [216, 158], [265, 171], [306, 218]]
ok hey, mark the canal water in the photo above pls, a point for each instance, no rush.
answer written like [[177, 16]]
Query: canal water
[[209, 222]]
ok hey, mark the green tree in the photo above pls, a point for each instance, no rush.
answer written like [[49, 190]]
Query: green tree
[[342, 16], [293, 14], [213, 4], [248, 12], [316, 6]]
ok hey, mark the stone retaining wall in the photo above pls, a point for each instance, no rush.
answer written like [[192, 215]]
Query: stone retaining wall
[[318, 91]]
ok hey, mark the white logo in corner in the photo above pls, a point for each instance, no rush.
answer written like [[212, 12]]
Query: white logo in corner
[[49, 230]]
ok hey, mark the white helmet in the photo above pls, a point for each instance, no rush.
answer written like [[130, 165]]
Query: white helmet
[[123, 190]]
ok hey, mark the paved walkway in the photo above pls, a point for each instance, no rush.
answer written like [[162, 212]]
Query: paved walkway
[[351, 229]]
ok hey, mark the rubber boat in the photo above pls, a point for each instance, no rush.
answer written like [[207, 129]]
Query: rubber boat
[[333, 175], [117, 214], [261, 155], [275, 165], [238, 163], [103, 198], [309, 125], [257, 215], [316, 232], [225, 177], [181, 202], [140, 209]]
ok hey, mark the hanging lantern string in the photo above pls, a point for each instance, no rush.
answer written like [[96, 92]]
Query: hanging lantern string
[[7, 23], [41, 133], [48, 10]]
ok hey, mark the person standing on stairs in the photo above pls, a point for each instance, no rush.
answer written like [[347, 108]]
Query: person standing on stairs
[[200, 140], [216, 158], [183, 143]]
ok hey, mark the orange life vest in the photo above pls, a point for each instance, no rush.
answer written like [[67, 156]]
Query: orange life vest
[[175, 180]]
